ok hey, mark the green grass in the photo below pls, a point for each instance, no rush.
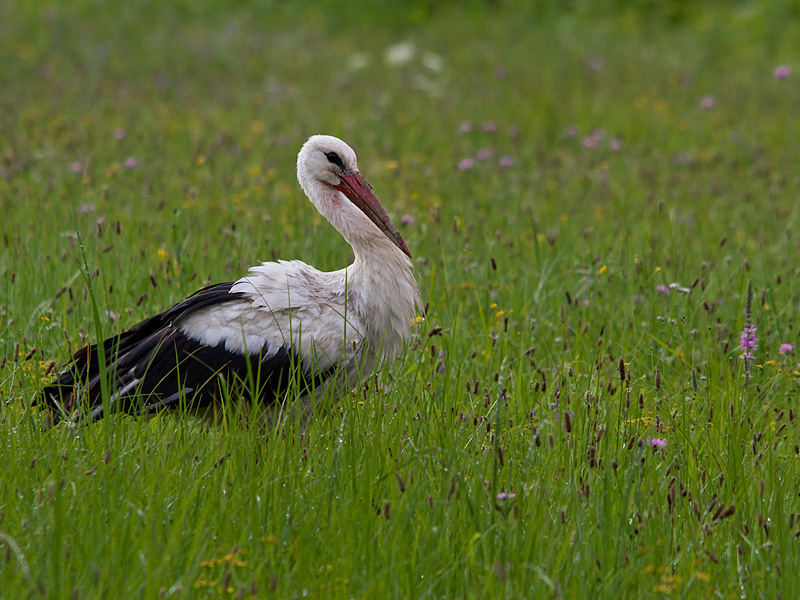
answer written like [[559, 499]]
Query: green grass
[[543, 276]]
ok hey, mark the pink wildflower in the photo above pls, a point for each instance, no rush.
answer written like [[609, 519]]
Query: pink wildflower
[[465, 164], [506, 161]]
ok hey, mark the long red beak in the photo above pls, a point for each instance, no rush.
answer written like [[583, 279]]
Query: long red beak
[[355, 187]]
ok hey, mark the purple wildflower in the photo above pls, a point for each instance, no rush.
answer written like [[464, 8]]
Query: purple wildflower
[[119, 133], [465, 127], [656, 442], [407, 219], [615, 144], [782, 72], [483, 154], [76, 167], [465, 164], [662, 288], [749, 341], [441, 368], [786, 349], [506, 161], [594, 138], [489, 127], [506, 495], [571, 131], [111, 315], [708, 102], [131, 163]]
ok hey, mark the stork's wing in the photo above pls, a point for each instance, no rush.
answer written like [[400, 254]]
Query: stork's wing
[[156, 365]]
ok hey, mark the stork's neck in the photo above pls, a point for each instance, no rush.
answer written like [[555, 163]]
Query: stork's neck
[[382, 290], [380, 284], [379, 263]]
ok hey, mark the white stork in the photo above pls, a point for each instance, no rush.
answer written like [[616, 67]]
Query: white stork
[[281, 323]]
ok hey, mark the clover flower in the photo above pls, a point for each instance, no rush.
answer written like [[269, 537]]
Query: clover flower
[[465, 164]]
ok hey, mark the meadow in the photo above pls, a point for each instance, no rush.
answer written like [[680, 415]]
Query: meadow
[[602, 202]]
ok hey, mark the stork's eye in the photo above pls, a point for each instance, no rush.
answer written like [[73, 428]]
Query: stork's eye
[[334, 158]]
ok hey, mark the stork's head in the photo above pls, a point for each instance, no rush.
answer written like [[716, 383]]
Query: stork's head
[[329, 175]]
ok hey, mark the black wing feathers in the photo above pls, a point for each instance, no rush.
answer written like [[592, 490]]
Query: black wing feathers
[[155, 365]]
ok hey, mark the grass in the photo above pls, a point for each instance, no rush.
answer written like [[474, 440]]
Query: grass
[[508, 454]]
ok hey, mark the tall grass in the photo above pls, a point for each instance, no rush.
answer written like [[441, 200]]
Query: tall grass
[[588, 196]]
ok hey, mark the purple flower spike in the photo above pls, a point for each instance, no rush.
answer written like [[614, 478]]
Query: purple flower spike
[[748, 341], [506, 495], [782, 72]]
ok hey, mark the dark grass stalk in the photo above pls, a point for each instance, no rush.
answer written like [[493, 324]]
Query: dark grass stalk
[[105, 376]]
